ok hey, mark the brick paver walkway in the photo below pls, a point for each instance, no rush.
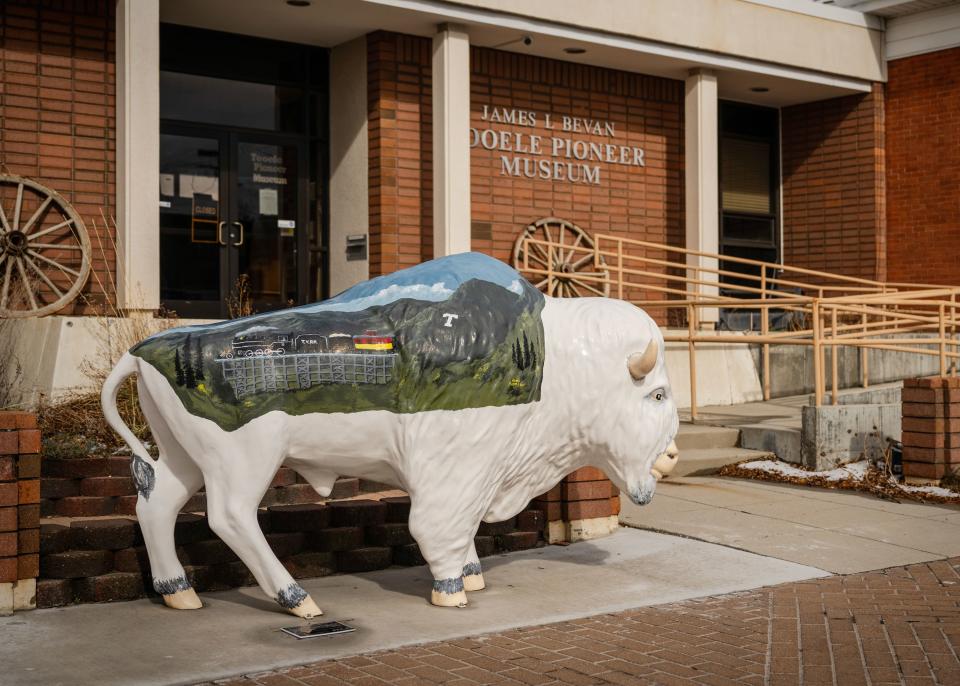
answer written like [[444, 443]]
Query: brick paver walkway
[[897, 626]]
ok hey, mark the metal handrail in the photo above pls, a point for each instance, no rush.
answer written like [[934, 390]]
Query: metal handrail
[[836, 310]]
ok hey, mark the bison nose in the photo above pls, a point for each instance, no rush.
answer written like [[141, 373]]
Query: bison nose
[[666, 462]]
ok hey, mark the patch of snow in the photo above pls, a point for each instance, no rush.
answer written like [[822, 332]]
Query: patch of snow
[[854, 471], [930, 490]]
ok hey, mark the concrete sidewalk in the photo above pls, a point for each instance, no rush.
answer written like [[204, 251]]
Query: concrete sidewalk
[[238, 631], [899, 626], [841, 531]]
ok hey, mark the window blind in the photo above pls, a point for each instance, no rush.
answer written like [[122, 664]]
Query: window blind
[[745, 176]]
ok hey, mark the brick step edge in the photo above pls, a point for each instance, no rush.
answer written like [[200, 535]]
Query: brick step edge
[[105, 583], [99, 496]]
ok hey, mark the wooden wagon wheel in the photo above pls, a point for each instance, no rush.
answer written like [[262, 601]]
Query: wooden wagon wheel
[[569, 253], [44, 249]]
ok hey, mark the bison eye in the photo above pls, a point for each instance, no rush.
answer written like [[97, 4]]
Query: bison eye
[[658, 395]]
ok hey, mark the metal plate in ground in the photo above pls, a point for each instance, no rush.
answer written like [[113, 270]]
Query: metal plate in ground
[[317, 630]]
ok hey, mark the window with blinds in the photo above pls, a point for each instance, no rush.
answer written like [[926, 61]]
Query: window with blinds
[[745, 176]]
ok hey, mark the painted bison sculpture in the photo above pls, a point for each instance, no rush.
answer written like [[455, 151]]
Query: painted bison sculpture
[[455, 380]]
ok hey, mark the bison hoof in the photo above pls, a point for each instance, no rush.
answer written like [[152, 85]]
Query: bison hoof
[[440, 599], [448, 593], [186, 599], [473, 582], [306, 609]]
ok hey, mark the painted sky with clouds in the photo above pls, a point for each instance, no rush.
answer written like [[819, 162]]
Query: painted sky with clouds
[[432, 281]]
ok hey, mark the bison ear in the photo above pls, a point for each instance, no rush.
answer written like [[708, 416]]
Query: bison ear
[[641, 364]]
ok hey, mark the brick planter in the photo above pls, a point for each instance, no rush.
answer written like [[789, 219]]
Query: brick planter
[[931, 427], [97, 486], [583, 506], [98, 560], [19, 510]]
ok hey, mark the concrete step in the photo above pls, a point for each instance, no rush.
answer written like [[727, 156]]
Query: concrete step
[[698, 436], [782, 441], [700, 461]]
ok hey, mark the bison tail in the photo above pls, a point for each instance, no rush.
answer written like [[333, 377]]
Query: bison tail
[[108, 402]]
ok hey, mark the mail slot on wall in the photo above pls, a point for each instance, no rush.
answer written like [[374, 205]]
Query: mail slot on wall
[[356, 247]]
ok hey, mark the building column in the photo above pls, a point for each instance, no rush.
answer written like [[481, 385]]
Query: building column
[[451, 140], [138, 154], [349, 168], [702, 180]]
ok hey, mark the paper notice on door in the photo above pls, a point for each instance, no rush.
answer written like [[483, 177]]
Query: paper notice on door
[[207, 185], [191, 185], [186, 186], [166, 184], [287, 227], [268, 202]]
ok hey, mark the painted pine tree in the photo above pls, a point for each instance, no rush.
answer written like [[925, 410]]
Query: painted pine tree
[[189, 377], [178, 368], [198, 361]]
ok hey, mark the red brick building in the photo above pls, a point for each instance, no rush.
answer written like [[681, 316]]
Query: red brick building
[[300, 147], [842, 166]]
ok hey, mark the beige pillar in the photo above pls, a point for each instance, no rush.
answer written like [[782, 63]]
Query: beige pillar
[[451, 140], [349, 208], [702, 179], [138, 154]]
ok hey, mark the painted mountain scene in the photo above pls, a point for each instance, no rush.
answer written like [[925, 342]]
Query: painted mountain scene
[[457, 332]]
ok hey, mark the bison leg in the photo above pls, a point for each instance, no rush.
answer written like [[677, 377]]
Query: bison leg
[[157, 510], [164, 486], [472, 572], [232, 501], [445, 539]]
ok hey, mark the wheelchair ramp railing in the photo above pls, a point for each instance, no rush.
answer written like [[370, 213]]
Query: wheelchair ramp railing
[[753, 302]]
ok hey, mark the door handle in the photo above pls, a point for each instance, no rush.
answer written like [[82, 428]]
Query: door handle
[[220, 226], [240, 242]]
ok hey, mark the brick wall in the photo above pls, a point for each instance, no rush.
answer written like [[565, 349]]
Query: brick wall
[[834, 216], [923, 167], [644, 203], [19, 510], [399, 115], [58, 115], [931, 427]]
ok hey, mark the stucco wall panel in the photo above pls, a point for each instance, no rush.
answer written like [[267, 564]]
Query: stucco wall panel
[[844, 44]]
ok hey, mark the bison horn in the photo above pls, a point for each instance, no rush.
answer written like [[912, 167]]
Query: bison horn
[[641, 364]]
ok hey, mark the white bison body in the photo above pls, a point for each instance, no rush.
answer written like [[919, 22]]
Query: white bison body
[[604, 401]]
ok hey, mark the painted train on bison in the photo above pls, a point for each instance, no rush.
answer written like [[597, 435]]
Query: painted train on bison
[[264, 345]]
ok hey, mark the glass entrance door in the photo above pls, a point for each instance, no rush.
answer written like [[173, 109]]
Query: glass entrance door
[[232, 222], [193, 262], [267, 219]]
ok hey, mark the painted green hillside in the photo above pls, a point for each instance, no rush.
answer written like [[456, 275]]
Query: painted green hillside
[[481, 346]]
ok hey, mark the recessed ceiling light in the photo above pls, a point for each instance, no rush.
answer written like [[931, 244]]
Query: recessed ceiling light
[[298, 3], [574, 51], [760, 89]]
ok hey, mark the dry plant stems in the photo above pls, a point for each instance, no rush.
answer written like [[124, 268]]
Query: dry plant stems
[[11, 371], [240, 300], [75, 423]]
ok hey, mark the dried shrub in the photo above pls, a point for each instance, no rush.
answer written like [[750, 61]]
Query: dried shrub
[[11, 371], [74, 425], [877, 481], [240, 300], [951, 481]]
